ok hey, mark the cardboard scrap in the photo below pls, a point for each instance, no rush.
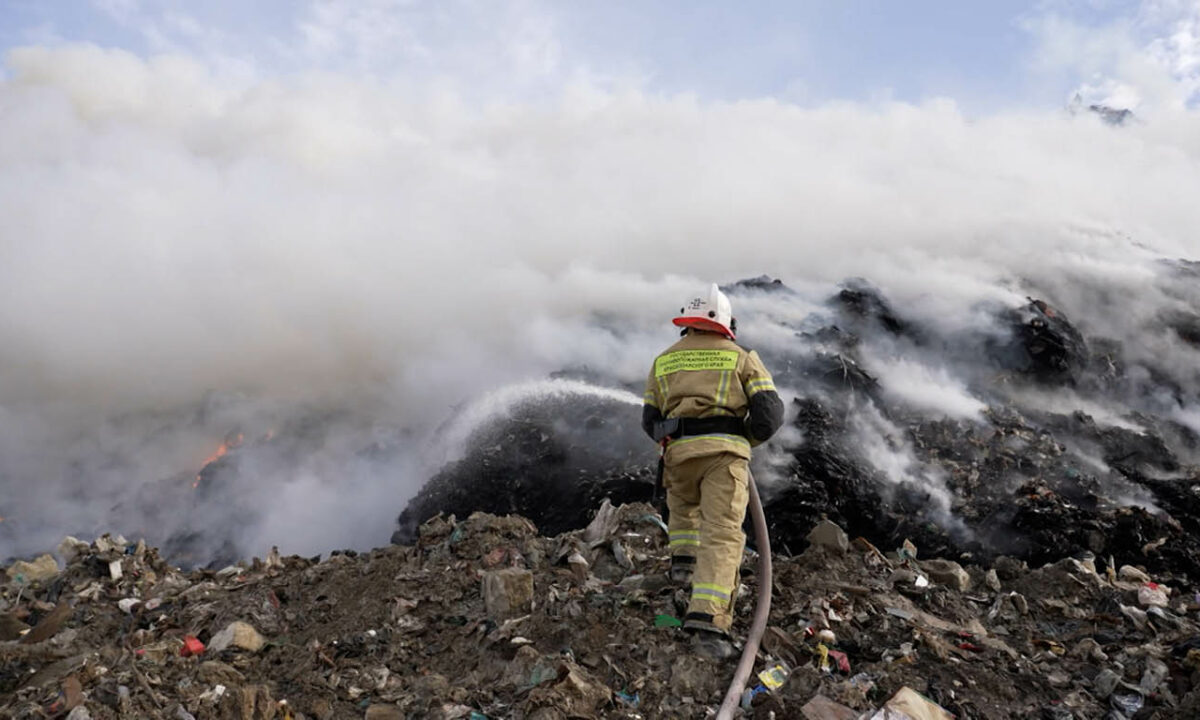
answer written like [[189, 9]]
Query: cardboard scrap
[[908, 704]]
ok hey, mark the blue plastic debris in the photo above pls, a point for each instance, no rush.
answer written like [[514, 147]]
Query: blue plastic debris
[[656, 520], [749, 693]]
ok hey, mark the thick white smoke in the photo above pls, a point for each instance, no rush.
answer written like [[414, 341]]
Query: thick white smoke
[[324, 241]]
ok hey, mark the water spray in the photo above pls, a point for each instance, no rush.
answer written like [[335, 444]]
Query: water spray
[[500, 402]]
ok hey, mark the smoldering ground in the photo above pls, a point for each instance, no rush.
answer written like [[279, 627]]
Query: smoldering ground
[[186, 255]]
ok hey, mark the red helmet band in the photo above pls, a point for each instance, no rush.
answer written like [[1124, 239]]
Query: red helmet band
[[703, 324]]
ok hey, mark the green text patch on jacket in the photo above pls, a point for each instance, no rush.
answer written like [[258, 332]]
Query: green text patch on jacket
[[673, 362], [706, 375]]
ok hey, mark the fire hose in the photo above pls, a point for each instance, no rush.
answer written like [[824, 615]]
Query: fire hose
[[762, 607]]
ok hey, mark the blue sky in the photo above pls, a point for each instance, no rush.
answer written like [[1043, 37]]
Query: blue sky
[[985, 55]]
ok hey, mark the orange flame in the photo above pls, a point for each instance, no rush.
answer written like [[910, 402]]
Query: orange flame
[[220, 452]]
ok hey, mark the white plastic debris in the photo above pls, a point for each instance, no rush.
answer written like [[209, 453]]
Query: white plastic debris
[[214, 695], [1153, 594], [72, 548]]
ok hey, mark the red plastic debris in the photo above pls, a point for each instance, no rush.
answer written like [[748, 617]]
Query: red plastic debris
[[843, 662], [969, 646], [191, 646]]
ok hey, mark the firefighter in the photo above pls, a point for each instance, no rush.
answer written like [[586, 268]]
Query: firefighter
[[708, 401]]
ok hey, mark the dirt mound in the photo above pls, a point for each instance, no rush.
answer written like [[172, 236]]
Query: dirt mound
[[485, 618]]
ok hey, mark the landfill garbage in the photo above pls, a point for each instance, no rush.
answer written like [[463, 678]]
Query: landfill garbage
[[237, 635], [747, 700], [1153, 594], [822, 657], [1104, 683], [863, 682], [508, 593], [823, 708], [39, 570], [947, 572], [908, 704], [843, 662], [1156, 672], [1126, 703], [350, 629], [774, 677], [191, 646], [1130, 574], [829, 535]]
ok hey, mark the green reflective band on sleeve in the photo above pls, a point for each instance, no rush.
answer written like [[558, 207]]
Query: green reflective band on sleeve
[[759, 385], [695, 360]]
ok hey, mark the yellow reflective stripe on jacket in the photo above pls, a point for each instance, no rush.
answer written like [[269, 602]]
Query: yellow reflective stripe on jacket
[[710, 590], [684, 537], [649, 399], [680, 360], [723, 389], [712, 436], [759, 385]]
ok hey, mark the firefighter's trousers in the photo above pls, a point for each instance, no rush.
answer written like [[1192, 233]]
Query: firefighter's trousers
[[707, 499]]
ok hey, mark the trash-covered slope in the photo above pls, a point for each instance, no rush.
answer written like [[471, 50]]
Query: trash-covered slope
[[484, 617], [1027, 435]]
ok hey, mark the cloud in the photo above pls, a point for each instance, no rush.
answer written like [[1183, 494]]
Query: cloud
[[1150, 57]]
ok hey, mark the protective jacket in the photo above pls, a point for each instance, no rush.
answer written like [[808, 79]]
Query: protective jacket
[[705, 375], [709, 400]]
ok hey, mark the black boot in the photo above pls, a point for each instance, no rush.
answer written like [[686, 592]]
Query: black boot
[[712, 645]]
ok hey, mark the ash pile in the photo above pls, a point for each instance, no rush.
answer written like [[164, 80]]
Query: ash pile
[[485, 617]]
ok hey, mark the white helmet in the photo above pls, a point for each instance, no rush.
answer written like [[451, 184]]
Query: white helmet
[[710, 311]]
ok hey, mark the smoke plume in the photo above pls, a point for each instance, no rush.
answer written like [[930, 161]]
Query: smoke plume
[[349, 264]]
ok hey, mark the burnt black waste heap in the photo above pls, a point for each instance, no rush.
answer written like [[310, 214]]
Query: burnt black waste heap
[[1020, 481], [553, 460]]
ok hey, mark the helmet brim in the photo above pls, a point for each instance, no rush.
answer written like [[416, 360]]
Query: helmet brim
[[703, 324]]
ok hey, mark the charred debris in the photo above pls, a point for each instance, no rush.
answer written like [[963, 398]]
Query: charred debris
[[1031, 476]]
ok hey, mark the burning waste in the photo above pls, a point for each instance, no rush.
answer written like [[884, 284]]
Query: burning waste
[[983, 521]]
